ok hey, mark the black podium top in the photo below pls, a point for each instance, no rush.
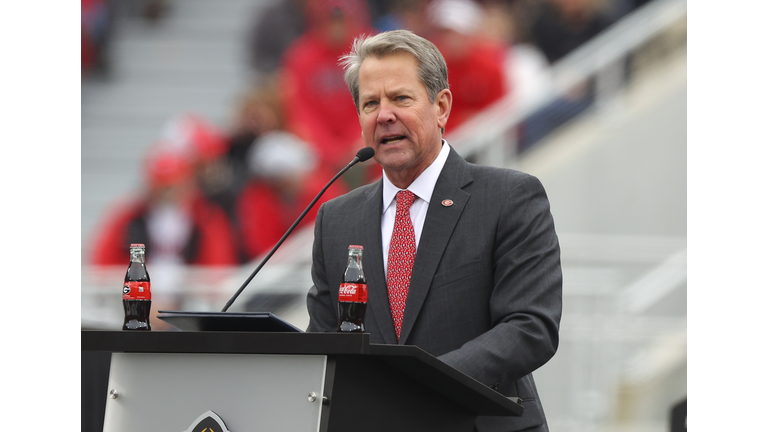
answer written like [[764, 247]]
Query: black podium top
[[220, 342], [409, 360]]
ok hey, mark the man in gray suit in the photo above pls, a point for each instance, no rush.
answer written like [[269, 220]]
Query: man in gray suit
[[483, 291]]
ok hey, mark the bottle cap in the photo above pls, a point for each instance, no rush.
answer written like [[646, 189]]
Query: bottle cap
[[355, 247], [133, 245]]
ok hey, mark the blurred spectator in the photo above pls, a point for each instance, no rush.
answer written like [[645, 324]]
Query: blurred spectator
[[475, 63], [277, 26], [155, 11], [283, 21], [404, 14], [560, 26], [286, 178], [316, 99], [170, 216], [527, 69], [377, 10], [205, 145], [96, 21], [258, 112]]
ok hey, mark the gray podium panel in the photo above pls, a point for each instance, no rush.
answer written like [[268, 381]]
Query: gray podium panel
[[168, 392]]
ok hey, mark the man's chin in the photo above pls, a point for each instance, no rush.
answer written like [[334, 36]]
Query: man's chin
[[396, 167]]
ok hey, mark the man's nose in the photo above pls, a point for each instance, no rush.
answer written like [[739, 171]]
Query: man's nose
[[386, 112]]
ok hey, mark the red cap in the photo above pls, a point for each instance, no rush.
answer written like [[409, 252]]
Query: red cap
[[165, 168], [193, 134]]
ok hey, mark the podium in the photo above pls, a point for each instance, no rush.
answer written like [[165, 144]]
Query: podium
[[173, 381]]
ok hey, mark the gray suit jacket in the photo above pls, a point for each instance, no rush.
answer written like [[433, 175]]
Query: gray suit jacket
[[485, 294]]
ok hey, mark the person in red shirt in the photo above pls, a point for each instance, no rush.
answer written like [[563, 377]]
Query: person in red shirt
[[206, 146], [316, 99], [476, 63], [286, 177], [171, 217]]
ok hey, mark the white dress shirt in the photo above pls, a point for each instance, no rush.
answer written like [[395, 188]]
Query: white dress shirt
[[422, 187]]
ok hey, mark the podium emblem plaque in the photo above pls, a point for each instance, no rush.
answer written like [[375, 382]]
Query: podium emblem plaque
[[208, 422]]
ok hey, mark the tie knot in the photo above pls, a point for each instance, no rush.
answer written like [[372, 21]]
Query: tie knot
[[405, 198]]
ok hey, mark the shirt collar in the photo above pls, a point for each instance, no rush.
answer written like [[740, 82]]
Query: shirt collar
[[424, 184]]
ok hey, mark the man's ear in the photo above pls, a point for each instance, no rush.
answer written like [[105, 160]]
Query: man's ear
[[443, 103]]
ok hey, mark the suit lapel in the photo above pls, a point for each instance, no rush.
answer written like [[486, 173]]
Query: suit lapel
[[378, 300], [438, 227]]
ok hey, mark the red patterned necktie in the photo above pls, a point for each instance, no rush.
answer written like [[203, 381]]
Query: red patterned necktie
[[402, 251]]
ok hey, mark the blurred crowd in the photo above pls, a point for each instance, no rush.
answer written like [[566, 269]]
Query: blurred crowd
[[218, 195]]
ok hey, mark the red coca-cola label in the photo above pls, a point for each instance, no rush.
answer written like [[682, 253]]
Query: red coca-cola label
[[352, 292], [136, 291]]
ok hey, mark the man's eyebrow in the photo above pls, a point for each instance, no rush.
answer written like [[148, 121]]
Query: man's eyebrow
[[396, 90]]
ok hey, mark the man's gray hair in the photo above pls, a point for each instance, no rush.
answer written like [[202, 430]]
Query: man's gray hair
[[432, 70]]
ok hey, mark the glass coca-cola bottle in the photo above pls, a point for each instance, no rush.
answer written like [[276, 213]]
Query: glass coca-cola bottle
[[137, 297], [353, 293]]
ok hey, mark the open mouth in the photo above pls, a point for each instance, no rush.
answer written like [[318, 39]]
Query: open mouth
[[392, 139]]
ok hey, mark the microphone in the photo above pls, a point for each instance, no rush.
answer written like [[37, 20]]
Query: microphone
[[362, 155]]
